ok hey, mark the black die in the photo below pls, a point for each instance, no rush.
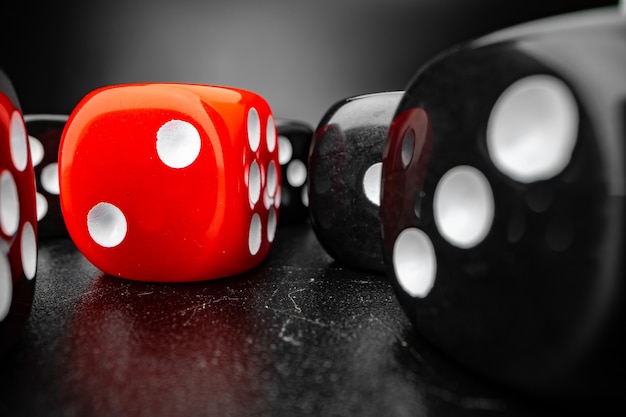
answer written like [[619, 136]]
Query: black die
[[503, 204], [294, 140], [18, 219], [345, 176], [44, 131]]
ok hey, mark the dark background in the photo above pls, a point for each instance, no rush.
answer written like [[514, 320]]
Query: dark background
[[299, 335], [301, 56]]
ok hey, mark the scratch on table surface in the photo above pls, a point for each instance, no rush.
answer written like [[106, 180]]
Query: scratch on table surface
[[273, 293], [383, 324], [310, 321], [92, 292], [363, 281], [141, 294], [295, 305], [225, 298], [194, 311], [288, 338], [290, 315], [199, 307]]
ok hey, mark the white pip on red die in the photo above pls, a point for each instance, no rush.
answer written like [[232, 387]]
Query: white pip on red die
[[44, 136], [18, 218], [503, 204], [169, 181]]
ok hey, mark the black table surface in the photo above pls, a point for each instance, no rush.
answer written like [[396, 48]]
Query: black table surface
[[300, 335]]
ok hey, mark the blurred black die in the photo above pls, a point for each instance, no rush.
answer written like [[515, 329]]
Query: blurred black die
[[345, 177], [503, 204], [294, 140], [44, 134]]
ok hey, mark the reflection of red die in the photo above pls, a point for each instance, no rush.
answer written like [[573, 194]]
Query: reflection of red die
[[170, 182], [18, 219]]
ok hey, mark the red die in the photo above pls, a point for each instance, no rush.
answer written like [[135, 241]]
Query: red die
[[18, 219], [170, 182]]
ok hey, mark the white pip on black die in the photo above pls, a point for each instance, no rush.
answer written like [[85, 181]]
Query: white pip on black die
[[503, 203]]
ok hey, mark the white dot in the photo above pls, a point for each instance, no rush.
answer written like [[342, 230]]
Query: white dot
[[29, 250], [254, 237], [408, 143], [178, 143], [9, 204], [296, 173], [50, 178], [254, 129], [106, 225], [371, 182], [19, 148], [272, 223], [6, 286], [270, 134], [415, 262], [254, 182], [272, 179], [532, 129], [285, 150], [42, 206], [463, 206], [36, 150]]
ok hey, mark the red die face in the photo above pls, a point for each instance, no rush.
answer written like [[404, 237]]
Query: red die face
[[18, 222], [170, 182]]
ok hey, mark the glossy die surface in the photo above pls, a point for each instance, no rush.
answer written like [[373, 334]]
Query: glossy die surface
[[171, 182], [44, 135], [18, 220], [503, 204], [294, 141], [345, 163]]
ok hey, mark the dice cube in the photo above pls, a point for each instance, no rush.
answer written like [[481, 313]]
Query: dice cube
[[345, 165], [294, 141], [503, 204], [44, 135], [169, 181]]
